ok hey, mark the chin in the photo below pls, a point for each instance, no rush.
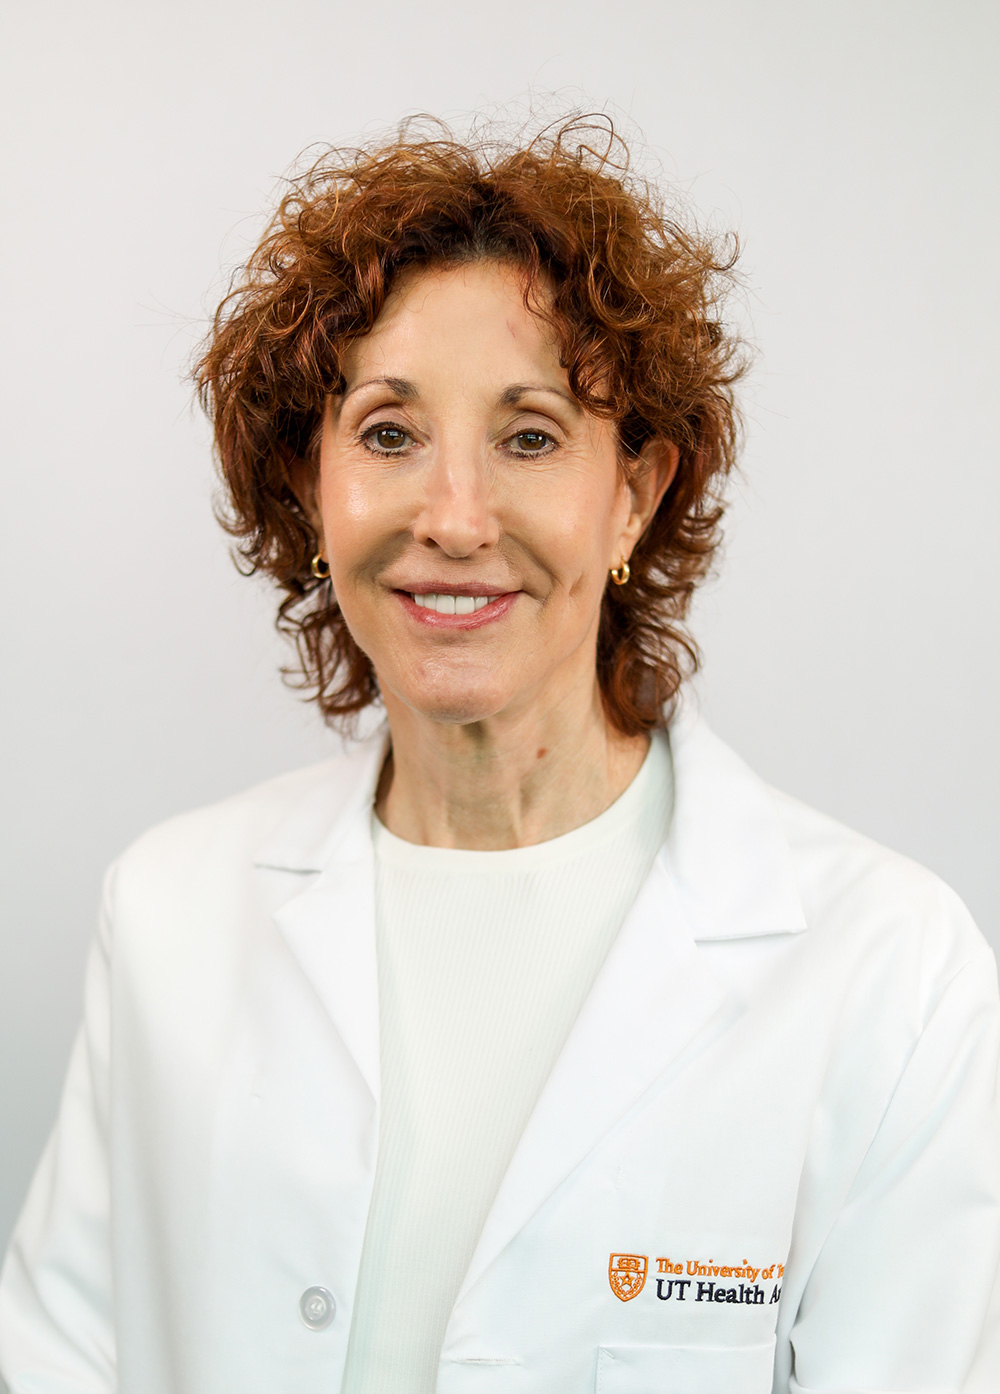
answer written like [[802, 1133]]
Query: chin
[[456, 702]]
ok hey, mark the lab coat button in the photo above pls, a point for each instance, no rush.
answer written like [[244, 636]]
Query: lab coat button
[[317, 1306]]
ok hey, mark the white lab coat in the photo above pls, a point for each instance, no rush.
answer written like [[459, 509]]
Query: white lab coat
[[768, 1156]]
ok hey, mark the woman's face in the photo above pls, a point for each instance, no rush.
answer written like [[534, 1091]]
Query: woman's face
[[469, 507]]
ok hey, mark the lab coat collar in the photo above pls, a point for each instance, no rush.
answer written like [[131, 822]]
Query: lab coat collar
[[331, 820], [726, 852]]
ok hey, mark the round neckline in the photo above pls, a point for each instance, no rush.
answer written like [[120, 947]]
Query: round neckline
[[578, 842]]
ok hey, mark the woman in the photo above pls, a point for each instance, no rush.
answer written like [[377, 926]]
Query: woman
[[532, 1043]]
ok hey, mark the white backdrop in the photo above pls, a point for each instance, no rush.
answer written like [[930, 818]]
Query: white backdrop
[[851, 645]]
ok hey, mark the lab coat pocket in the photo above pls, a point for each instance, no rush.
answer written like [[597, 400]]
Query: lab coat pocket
[[685, 1369]]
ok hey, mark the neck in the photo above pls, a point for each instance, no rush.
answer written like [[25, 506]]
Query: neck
[[510, 781]]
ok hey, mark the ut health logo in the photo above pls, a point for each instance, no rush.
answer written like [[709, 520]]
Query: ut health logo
[[627, 1275]]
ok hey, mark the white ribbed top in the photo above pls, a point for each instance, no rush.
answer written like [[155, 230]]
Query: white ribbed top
[[484, 961]]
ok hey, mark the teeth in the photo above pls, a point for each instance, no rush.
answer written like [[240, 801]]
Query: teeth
[[453, 604]]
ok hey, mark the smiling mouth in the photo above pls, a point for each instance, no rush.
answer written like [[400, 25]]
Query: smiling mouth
[[453, 604]]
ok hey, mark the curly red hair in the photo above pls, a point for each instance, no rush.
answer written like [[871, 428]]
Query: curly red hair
[[634, 299]]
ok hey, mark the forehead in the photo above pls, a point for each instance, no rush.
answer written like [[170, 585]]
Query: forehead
[[464, 320]]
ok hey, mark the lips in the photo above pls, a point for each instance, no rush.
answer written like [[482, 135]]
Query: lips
[[468, 607]]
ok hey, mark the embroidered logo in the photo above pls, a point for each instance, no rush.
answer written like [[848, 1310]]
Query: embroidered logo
[[627, 1274], [693, 1280]]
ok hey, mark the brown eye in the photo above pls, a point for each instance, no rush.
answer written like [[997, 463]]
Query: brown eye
[[387, 439], [530, 442]]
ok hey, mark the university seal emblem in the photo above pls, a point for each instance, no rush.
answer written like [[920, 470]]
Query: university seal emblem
[[627, 1273]]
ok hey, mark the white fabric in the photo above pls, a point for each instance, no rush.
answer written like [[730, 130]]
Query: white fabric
[[484, 960], [786, 1066]]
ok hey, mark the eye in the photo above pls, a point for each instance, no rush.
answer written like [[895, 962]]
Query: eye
[[386, 439], [531, 442]]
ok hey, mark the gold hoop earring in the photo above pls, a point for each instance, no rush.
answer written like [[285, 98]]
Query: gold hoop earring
[[620, 573], [320, 567]]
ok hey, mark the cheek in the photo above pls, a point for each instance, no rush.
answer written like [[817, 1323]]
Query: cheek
[[345, 501], [575, 533], [358, 518]]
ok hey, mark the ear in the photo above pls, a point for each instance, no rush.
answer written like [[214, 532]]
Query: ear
[[652, 475], [303, 478]]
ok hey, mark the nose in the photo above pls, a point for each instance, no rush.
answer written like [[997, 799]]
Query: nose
[[457, 510]]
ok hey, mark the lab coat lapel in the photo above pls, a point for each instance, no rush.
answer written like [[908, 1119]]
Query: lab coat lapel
[[653, 1004], [329, 923], [329, 927]]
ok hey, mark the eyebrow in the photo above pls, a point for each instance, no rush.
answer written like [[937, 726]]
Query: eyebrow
[[512, 395], [407, 391], [402, 387]]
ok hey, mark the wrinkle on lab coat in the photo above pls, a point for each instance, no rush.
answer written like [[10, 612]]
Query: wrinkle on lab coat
[[768, 1156]]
